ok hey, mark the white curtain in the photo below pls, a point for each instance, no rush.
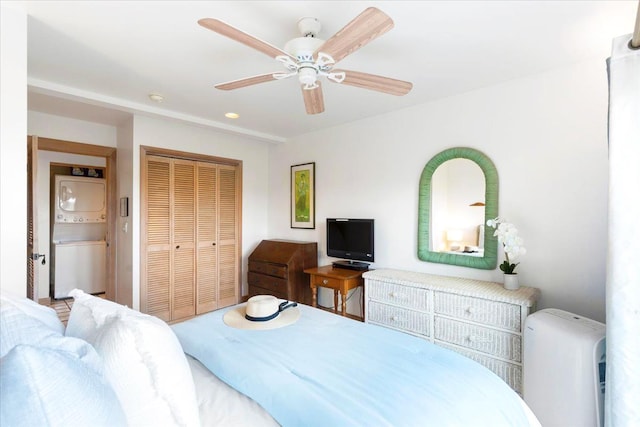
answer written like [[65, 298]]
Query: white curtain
[[622, 395]]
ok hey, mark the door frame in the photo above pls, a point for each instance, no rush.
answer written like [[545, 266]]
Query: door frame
[[110, 156], [32, 221]]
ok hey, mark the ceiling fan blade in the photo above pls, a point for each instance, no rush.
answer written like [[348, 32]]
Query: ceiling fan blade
[[361, 30], [313, 99], [242, 37], [374, 82], [249, 81]]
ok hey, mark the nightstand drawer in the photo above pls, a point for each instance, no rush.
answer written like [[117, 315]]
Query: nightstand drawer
[[499, 314], [327, 282], [490, 341], [399, 318], [277, 270], [402, 295]]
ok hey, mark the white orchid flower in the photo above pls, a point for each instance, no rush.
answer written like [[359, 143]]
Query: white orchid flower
[[512, 243]]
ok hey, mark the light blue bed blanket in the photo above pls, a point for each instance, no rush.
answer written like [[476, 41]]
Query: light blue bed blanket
[[327, 370]]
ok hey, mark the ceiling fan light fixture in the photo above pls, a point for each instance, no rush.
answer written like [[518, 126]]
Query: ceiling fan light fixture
[[302, 48], [308, 77]]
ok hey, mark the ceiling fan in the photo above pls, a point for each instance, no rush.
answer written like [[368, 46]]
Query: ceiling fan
[[310, 58]]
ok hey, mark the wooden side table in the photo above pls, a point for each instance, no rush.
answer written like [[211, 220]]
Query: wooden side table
[[339, 279]]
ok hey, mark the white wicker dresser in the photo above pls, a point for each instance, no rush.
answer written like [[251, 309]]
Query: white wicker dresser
[[478, 319]]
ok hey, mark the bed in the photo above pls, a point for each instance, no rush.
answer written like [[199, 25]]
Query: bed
[[330, 370], [115, 366]]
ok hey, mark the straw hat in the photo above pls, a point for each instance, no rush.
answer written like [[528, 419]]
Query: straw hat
[[262, 312]]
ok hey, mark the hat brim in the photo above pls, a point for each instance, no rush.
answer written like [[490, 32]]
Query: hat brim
[[235, 318]]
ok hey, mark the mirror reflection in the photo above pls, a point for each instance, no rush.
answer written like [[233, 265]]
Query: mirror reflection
[[458, 208]]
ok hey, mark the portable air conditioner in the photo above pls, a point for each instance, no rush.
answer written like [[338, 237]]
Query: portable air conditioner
[[564, 369]]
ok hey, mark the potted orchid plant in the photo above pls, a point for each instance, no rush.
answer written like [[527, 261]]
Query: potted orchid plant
[[513, 245]]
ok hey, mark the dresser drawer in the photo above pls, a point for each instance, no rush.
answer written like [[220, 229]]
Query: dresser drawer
[[402, 295], [499, 314], [509, 372], [277, 270], [255, 290], [273, 284], [399, 318], [495, 343]]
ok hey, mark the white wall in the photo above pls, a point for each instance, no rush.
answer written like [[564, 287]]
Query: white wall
[[125, 229], [68, 129], [546, 135], [13, 148]]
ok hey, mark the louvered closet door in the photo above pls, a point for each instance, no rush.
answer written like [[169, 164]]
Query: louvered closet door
[[207, 237], [192, 250], [184, 228], [157, 277], [228, 235]]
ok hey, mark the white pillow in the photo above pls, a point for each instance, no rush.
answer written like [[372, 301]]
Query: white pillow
[[143, 361], [46, 315], [88, 314], [47, 378], [45, 386], [18, 326]]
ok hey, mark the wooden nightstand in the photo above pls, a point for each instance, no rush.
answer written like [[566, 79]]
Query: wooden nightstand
[[338, 279]]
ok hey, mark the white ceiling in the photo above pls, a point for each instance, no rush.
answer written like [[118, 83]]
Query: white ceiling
[[113, 54]]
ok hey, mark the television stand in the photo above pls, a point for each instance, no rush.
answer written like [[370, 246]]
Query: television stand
[[341, 280], [351, 265]]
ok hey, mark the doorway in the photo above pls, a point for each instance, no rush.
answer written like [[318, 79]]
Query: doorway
[[34, 257]]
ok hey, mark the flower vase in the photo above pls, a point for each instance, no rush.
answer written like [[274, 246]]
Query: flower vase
[[511, 281]]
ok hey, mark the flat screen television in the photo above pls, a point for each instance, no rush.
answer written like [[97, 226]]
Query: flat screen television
[[352, 240]]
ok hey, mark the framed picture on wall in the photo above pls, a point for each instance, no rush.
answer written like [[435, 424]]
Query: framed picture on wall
[[303, 196]]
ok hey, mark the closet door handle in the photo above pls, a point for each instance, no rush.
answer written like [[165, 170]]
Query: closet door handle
[[213, 244], [178, 247]]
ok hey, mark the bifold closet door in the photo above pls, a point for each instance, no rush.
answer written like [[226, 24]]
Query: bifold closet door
[[217, 242], [155, 289], [228, 235], [207, 237], [183, 289], [170, 233]]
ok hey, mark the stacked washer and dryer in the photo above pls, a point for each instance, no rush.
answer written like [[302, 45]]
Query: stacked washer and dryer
[[79, 235]]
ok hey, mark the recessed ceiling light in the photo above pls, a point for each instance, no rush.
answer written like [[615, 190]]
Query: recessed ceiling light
[[156, 98], [232, 115]]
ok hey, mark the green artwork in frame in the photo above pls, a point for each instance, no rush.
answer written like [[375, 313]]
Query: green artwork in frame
[[303, 213]]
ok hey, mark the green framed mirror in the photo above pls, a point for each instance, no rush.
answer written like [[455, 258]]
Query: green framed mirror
[[455, 234]]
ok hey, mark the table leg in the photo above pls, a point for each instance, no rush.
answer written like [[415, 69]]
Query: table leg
[[343, 293], [335, 300], [314, 298]]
